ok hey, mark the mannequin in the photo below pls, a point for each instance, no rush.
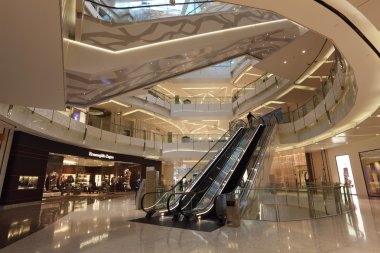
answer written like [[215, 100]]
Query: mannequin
[[127, 180]]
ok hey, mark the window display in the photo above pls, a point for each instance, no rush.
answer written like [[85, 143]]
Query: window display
[[288, 170], [370, 161], [27, 182], [83, 179], [76, 175]]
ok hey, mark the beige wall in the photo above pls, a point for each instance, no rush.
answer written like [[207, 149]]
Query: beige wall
[[167, 173], [353, 149], [320, 162]]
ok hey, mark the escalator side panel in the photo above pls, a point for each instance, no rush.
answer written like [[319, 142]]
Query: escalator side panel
[[238, 174], [207, 178]]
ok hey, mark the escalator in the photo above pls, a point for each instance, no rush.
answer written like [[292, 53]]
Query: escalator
[[159, 201], [201, 201], [237, 173]]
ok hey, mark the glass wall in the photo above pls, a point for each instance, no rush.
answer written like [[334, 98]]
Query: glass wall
[[370, 161]]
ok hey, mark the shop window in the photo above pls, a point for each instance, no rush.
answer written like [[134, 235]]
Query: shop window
[[370, 161], [27, 182]]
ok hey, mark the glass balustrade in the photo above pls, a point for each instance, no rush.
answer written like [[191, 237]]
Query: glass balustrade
[[259, 85], [334, 82], [123, 12], [339, 85], [286, 204]]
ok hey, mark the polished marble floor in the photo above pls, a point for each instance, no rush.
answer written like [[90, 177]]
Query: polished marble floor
[[17, 222], [104, 226]]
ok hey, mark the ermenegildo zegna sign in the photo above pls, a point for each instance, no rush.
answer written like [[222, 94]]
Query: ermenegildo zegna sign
[[101, 155]]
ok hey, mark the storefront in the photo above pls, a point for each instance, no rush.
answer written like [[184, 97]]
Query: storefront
[[39, 167], [67, 174], [290, 170], [370, 161]]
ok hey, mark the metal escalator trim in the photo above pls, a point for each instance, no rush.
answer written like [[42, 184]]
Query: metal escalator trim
[[208, 167], [151, 208], [223, 184], [211, 179], [252, 177]]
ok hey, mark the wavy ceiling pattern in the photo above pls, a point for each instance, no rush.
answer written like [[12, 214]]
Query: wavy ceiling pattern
[[118, 37], [85, 89]]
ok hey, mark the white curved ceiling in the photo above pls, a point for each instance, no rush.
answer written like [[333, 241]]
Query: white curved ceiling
[[360, 55]]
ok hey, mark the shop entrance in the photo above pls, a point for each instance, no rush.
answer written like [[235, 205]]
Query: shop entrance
[[74, 175]]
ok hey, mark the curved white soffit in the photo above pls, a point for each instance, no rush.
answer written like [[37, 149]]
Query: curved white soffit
[[363, 60], [85, 58]]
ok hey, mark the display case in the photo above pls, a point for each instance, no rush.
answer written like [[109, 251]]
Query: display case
[[83, 179], [27, 182]]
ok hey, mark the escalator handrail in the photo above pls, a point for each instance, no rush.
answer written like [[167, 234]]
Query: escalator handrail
[[211, 162], [204, 175], [188, 193], [232, 147], [227, 176], [252, 177]]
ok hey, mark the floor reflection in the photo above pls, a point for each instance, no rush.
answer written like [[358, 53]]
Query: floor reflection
[[106, 226], [19, 222]]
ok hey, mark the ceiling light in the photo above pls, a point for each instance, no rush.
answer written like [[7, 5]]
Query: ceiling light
[[153, 115], [285, 62], [115, 102], [378, 115], [302, 87], [377, 134], [250, 74], [205, 88], [318, 77], [357, 127], [338, 139], [315, 66], [168, 91], [69, 162], [303, 51]]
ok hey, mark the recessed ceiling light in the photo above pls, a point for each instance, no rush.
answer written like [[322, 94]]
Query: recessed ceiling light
[[285, 62], [303, 51], [357, 127], [377, 134], [378, 115]]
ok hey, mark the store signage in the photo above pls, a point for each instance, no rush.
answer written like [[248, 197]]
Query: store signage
[[101, 155]]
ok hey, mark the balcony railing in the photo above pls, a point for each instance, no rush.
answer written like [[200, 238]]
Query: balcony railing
[[138, 11], [191, 99], [286, 204], [335, 82]]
